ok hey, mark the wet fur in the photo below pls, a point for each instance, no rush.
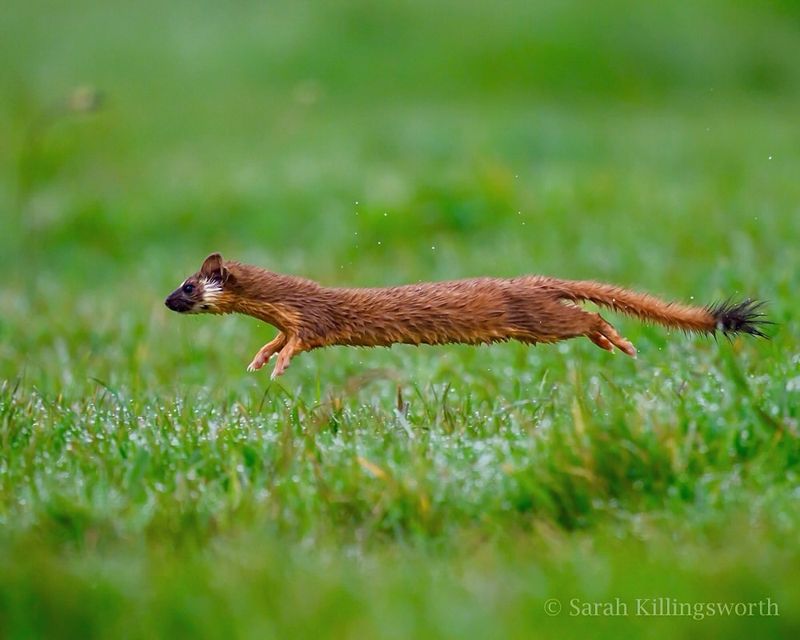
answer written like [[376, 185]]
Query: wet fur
[[530, 309]]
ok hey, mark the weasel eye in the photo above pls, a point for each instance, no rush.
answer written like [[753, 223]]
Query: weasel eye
[[188, 288]]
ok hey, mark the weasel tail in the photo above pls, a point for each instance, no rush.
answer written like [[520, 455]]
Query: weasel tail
[[728, 317], [530, 309]]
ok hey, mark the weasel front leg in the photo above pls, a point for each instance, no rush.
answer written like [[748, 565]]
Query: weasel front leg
[[293, 347], [267, 351]]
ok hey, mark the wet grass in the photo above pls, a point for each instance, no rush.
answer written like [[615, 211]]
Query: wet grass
[[149, 486]]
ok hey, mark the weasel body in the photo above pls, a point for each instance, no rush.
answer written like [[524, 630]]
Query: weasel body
[[530, 309]]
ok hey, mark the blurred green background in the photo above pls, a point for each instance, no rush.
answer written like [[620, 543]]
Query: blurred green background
[[149, 486]]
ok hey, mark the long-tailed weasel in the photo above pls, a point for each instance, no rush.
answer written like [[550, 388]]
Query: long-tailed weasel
[[530, 309]]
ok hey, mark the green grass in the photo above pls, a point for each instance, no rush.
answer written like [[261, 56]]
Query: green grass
[[149, 486]]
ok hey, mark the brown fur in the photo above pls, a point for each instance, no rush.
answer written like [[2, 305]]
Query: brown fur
[[530, 309]]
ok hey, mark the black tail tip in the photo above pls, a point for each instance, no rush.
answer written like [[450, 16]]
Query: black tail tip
[[740, 317]]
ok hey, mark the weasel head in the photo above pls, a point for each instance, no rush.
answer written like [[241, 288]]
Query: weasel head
[[205, 291]]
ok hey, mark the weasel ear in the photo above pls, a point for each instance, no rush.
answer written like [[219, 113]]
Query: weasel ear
[[213, 267]]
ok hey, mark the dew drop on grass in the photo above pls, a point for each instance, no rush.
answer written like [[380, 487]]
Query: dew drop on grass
[[793, 384]]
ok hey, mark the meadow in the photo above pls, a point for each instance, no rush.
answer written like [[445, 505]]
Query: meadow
[[151, 487]]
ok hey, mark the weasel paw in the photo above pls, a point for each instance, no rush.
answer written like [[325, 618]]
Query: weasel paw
[[258, 362], [280, 367], [255, 365], [276, 372]]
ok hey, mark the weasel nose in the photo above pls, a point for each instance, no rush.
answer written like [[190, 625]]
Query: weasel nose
[[176, 302]]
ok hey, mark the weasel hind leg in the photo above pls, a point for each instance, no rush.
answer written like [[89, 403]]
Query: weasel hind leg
[[572, 321], [562, 321], [606, 337]]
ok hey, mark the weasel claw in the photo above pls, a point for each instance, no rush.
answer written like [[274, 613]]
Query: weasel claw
[[258, 362], [255, 365], [275, 373]]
